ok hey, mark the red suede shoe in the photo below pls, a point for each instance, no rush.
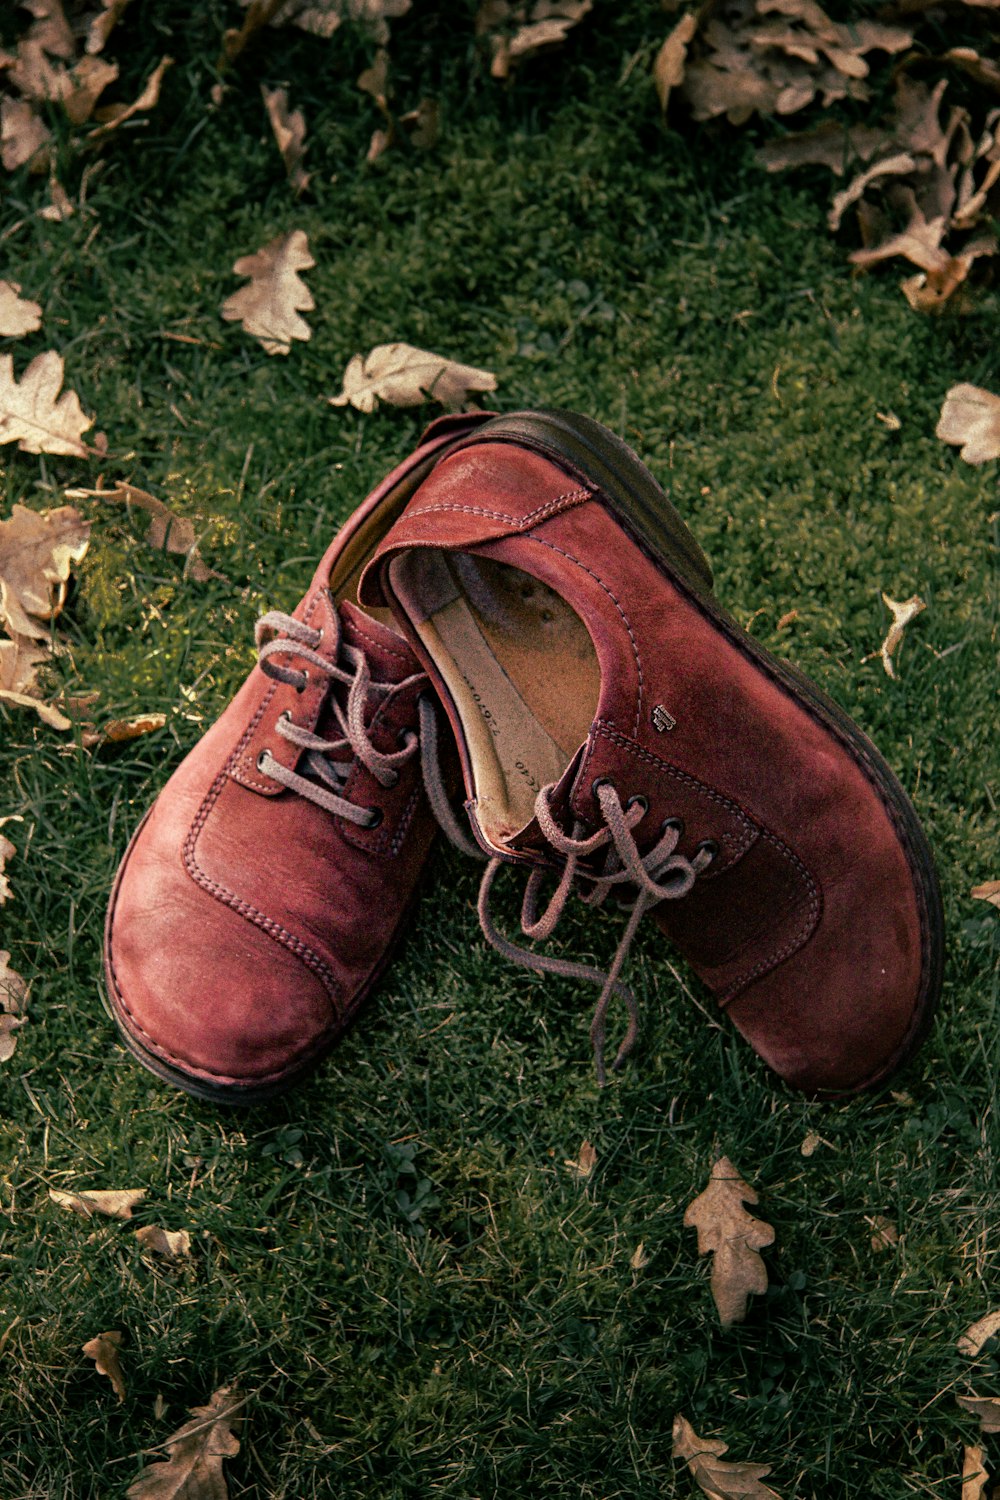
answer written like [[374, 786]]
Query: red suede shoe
[[262, 895], [615, 725]]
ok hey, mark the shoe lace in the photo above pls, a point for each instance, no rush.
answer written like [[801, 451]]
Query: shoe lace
[[660, 874], [330, 761]]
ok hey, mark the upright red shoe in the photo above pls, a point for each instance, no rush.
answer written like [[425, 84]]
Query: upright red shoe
[[262, 895], [616, 726]]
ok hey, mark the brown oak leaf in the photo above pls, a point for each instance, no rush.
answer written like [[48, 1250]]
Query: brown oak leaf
[[171, 1244], [733, 1237], [986, 1408], [17, 314], [32, 412], [970, 418], [103, 1350], [13, 1004], [405, 376], [983, 1329], [167, 531], [114, 1203], [20, 659], [37, 549], [518, 31], [714, 1477], [668, 69], [988, 892], [102, 25], [116, 115], [269, 307], [193, 1468], [289, 127]]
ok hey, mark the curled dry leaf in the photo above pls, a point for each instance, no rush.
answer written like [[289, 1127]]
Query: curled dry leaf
[[102, 25], [116, 115], [32, 412], [77, 89], [114, 1203], [978, 1333], [37, 549], [974, 1475], [988, 892], [970, 418], [167, 531], [517, 31], [24, 138], [406, 376], [193, 1467], [884, 1233], [986, 1408], [289, 127], [269, 307], [639, 1258], [318, 17], [119, 731], [583, 1166], [17, 315], [902, 614], [171, 1244], [19, 663], [668, 69], [13, 1004], [103, 1350], [733, 1237], [714, 1477]]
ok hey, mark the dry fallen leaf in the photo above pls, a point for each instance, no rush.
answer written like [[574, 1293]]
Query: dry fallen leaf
[[988, 892], [34, 415], [518, 31], [102, 25], [884, 1233], [167, 531], [974, 1475], [986, 1408], [103, 1350], [970, 417], [37, 549], [269, 307], [718, 1480], [7, 851], [172, 1244], [585, 1163], [668, 69], [810, 1143], [978, 1333], [733, 1237], [13, 1003], [116, 115], [318, 17], [17, 315], [902, 613], [289, 128], [115, 1203], [20, 659], [24, 137], [193, 1468], [405, 376], [639, 1258]]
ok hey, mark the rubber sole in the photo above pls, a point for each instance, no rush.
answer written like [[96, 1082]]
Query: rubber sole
[[628, 490]]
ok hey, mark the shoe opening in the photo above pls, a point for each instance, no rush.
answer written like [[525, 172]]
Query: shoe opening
[[521, 669]]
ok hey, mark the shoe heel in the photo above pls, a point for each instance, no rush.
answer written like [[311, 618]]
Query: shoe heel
[[585, 447]]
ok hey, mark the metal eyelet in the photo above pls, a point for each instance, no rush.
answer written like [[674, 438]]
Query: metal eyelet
[[598, 782], [300, 687], [376, 816], [260, 757], [709, 847], [676, 824], [637, 801]]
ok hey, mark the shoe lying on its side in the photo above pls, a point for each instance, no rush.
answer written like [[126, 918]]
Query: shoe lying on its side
[[261, 897], [616, 725]]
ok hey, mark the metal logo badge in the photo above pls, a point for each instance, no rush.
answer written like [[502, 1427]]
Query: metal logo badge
[[662, 721]]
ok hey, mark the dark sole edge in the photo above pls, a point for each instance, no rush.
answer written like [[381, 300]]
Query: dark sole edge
[[234, 1096], [598, 457]]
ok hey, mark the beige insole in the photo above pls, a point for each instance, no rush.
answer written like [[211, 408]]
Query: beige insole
[[520, 666]]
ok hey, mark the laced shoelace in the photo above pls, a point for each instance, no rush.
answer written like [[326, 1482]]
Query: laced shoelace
[[658, 875], [330, 761]]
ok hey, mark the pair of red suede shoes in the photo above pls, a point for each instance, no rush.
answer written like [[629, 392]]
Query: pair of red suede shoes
[[618, 733]]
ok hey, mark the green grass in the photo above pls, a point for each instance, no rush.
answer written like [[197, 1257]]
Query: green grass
[[496, 1342]]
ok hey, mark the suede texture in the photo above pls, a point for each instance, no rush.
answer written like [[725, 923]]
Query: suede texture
[[811, 925], [248, 924]]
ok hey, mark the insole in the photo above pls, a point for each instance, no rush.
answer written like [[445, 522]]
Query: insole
[[520, 666]]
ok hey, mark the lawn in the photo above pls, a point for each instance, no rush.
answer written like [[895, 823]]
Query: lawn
[[394, 1264]]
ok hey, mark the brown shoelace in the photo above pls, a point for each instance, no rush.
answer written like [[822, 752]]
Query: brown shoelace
[[658, 875]]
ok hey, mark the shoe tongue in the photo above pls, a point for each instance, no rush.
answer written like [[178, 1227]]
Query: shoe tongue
[[389, 656]]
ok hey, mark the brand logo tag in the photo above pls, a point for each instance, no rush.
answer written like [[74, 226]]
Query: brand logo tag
[[662, 721]]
